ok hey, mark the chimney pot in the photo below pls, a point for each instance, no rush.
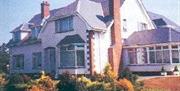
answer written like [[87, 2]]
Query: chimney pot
[[45, 9]]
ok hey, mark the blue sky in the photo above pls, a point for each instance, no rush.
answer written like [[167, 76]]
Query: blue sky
[[16, 12]]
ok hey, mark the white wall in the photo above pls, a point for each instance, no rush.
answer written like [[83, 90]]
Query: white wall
[[24, 35], [50, 39], [134, 14], [102, 41]]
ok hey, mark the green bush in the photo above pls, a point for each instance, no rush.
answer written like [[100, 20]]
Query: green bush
[[18, 82], [2, 79], [138, 86], [44, 83], [67, 83], [128, 75]]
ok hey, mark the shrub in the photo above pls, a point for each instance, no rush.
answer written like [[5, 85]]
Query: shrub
[[129, 76], [163, 69], [67, 83], [109, 74], [44, 83], [176, 68], [125, 84], [18, 82], [2, 80]]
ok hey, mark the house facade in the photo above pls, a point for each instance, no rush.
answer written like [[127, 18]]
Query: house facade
[[80, 38]]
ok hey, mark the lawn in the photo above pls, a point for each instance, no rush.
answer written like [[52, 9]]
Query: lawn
[[163, 83]]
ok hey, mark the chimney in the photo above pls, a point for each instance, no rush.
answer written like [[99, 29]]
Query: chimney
[[114, 51], [45, 9]]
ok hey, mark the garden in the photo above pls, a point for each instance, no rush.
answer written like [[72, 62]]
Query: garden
[[108, 81]]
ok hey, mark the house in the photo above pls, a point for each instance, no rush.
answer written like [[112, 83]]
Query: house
[[80, 38]]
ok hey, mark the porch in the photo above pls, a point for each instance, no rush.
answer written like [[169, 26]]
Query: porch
[[151, 58]]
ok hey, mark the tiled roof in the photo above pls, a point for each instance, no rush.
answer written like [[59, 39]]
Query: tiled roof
[[70, 39], [161, 20], [28, 41], [161, 35], [95, 13]]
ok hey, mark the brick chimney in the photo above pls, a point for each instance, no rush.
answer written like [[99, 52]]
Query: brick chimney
[[116, 47], [45, 9]]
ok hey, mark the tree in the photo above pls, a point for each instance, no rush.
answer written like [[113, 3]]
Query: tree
[[4, 58]]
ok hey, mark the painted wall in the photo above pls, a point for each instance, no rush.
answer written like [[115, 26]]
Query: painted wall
[[50, 39], [102, 41], [132, 11], [27, 51]]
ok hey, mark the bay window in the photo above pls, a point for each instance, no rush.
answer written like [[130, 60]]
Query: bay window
[[155, 54], [72, 56]]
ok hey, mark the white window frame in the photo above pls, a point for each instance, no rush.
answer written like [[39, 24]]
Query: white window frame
[[34, 65], [177, 49], [76, 48], [15, 62], [58, 24]]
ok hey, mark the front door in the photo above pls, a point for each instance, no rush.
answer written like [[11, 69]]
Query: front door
[[50, 60]]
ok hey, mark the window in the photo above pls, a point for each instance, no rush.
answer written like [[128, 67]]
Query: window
[[18, 62], [166, 54], [35, 32], [132, 56], [142, 26], [72, 56], [175, 54], [64, 24], [37, 60], [50, 59], [124, 25], [143, 56], [16, 36], [152, 56], [159, 54]]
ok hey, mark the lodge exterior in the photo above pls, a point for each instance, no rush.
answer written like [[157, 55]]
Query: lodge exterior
[[84, 36]]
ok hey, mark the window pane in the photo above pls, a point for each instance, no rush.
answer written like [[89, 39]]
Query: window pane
[[159, 56], [37, 59], [132, 56], [80, 57], [174, 47], [166, 56], [64, 24], [165, 47], [151, 48], [175, 56], [158, 47], [144, 55], [152, 57], [18, 61], [67, 59]]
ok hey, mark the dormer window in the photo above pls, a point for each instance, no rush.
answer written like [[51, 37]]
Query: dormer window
[[16, 36], [64, 24], [35, 32]]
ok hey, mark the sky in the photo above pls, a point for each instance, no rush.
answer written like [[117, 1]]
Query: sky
[[15, 12]]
